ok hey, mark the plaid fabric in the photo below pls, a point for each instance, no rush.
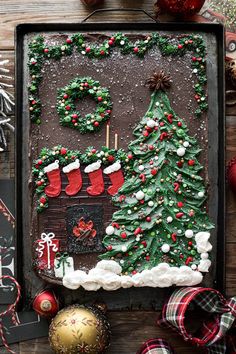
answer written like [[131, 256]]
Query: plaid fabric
[[155, 346], [212, 334]]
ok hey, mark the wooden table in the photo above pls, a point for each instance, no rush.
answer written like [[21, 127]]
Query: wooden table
[[129, 329]]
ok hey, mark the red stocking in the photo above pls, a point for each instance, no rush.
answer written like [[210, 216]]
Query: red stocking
[[116, 176], [54, 177], [96, 178], [74, 177]]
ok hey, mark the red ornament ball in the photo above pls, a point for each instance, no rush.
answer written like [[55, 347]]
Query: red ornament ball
[[46, 304], [231, 174], [180, 8]]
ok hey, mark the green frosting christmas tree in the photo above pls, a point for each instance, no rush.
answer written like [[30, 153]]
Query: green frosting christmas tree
[[161, 204]]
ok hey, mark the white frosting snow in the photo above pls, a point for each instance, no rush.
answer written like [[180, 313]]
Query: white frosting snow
[[93, 166], [139, 195], [203, 245], [151, 123], [165, 248], [181, 151], [51, 167], [107, 275], [113, 168], [72, 166], [110, 230], [189, 233], [204, 265]]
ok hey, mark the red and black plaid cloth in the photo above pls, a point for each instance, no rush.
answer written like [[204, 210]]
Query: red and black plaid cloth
[[155, 346], [212, 335]]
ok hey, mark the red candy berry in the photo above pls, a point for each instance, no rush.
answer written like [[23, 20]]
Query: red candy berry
[[194, 58], [40, 162], [68, 40], [39, 183], [180, 46], [123, 235], [96, 124], [136, 49], [109, 248], [179, 124], [148, 219], [43, 200], [74, 116], [87, 50], [179, 215], [99, 99], [145, 133], [191, 162], [110, 42], [130, 156], [147, 258], [180, 164], [151, 147], [93, 151], [63, 151], [154, 172], [180, 204], [174, 237], [67, 108], [188, 260], [137, 231], [144, 243], [65, 96], [46, 50], [110, 158], [102, 52]]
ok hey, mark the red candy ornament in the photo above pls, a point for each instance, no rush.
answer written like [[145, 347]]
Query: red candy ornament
[[46, 304], [180, 8], [231, 174]]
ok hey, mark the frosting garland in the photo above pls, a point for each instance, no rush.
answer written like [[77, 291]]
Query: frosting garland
[[64, 157], [40, 51], [161, 206], [76, 90]]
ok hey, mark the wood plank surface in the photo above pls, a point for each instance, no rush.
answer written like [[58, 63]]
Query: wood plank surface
[[129, 330], [13, 12]]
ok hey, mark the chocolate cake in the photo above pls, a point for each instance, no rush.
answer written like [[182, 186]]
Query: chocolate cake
[[88, 93]]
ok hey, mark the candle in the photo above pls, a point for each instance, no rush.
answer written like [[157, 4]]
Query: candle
[[116, 141], [107, 136]]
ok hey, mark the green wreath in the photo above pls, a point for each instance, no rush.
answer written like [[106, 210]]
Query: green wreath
[[75, 91]]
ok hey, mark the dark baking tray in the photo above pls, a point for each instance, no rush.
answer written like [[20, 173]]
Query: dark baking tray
[[135, 297]]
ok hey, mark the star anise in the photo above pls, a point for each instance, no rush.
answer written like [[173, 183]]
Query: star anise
[[159, 81]]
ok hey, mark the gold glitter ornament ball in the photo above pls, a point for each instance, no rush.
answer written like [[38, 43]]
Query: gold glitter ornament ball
[[79, 329]]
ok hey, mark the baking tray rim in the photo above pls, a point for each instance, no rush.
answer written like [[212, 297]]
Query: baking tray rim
[[219, 31]]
